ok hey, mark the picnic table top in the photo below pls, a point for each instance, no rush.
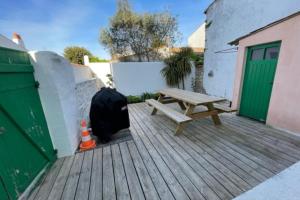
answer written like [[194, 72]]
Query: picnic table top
[[190, 97]]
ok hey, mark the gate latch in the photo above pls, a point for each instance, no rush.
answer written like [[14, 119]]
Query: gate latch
[[37, 84], [2, 130]]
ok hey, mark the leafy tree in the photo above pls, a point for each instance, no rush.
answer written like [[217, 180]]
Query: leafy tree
[[97, 59], [140, 34], [75, 54], [178, 67]]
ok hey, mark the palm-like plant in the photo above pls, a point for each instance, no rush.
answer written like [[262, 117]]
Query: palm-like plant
[[178, 67], [170, 71]]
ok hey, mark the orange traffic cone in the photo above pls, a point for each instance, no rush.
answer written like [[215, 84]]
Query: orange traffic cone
[[86, 141]]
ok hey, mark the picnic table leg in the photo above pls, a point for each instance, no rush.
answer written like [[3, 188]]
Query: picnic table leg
[[189, 110], [179, 129], [160, 98], [182, 106], [214, 117]]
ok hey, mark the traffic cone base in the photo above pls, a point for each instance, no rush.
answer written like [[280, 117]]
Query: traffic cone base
[[90, 145], [86, 141]]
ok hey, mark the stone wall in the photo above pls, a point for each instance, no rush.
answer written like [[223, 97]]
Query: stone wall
[[85, 91]]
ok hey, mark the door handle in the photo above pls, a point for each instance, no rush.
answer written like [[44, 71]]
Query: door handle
[[2, 130]]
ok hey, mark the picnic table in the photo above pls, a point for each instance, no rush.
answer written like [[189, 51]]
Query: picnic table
[[188, 101]]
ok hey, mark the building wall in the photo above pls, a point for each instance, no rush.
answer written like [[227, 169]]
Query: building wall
[[284, 104], [135, 78], [197, 38], [230, 20]]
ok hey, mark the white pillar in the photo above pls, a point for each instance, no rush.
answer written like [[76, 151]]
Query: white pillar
[[86, 60]]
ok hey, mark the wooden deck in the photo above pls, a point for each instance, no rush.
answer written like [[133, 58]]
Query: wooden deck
[[205, 162]]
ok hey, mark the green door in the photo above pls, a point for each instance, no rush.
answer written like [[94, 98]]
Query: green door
[[3, 193], [25, 144], [258, 80]]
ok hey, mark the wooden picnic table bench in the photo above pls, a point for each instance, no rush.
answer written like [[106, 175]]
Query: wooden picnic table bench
[[188, 101]]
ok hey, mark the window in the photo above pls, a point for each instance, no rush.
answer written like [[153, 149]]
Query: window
[[257, 54], [272, 53]]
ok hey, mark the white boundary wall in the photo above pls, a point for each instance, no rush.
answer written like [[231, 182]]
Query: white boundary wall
[[101, 70], [135, 78], [58, 96]]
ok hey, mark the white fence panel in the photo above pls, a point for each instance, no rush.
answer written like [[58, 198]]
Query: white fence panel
[[135, 78]]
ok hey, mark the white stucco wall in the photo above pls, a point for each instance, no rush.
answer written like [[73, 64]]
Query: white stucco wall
[[197, 38], [58, 96], [101, 70], [135, 78], [82, 74], [230, 20], [7, 43]]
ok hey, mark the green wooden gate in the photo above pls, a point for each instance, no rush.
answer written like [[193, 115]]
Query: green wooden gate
[[25, 144], [258, 80]]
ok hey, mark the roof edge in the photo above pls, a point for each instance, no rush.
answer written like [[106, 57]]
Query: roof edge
[[205, 11]]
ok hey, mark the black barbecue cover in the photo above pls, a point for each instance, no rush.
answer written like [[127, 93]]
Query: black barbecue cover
[[108, 113]]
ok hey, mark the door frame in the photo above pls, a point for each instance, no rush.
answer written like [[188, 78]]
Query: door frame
[[247, 56]]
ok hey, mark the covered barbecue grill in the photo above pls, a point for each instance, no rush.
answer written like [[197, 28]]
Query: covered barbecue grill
[[108, 114]]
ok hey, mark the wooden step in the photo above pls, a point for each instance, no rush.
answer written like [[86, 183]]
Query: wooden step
[[173, 114], [223, 108]]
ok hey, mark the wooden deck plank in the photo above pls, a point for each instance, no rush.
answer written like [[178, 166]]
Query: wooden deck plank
[[263, 138], [71, 185], [219, 135], [224, 170], [184, 180], [145, 180], [227, 163], [47, 185], [205, 162], [291, 139], [134, 184], [157, 178], [82, 192], [172, 181], [108, 175], [96, 177], [244, 163], [61, 179], [264, 148], [200, 165], [122, 189]]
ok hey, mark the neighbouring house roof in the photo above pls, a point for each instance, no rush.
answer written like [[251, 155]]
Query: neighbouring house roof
[[236, 41]]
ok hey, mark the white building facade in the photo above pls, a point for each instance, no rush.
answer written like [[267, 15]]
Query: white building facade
[[227, 20], [197, 38]]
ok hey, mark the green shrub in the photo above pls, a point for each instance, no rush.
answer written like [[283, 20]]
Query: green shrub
[[133, 99], [142, 98], [148, 95]]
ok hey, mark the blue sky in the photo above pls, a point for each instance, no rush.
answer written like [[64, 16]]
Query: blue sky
[[54, 24]]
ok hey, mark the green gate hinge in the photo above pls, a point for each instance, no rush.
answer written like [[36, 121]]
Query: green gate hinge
[[37, 84]]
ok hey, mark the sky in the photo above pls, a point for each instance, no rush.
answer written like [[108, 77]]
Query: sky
[[53, 25]]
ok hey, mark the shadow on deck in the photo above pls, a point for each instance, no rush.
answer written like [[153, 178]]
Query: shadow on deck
[[205, 162]]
